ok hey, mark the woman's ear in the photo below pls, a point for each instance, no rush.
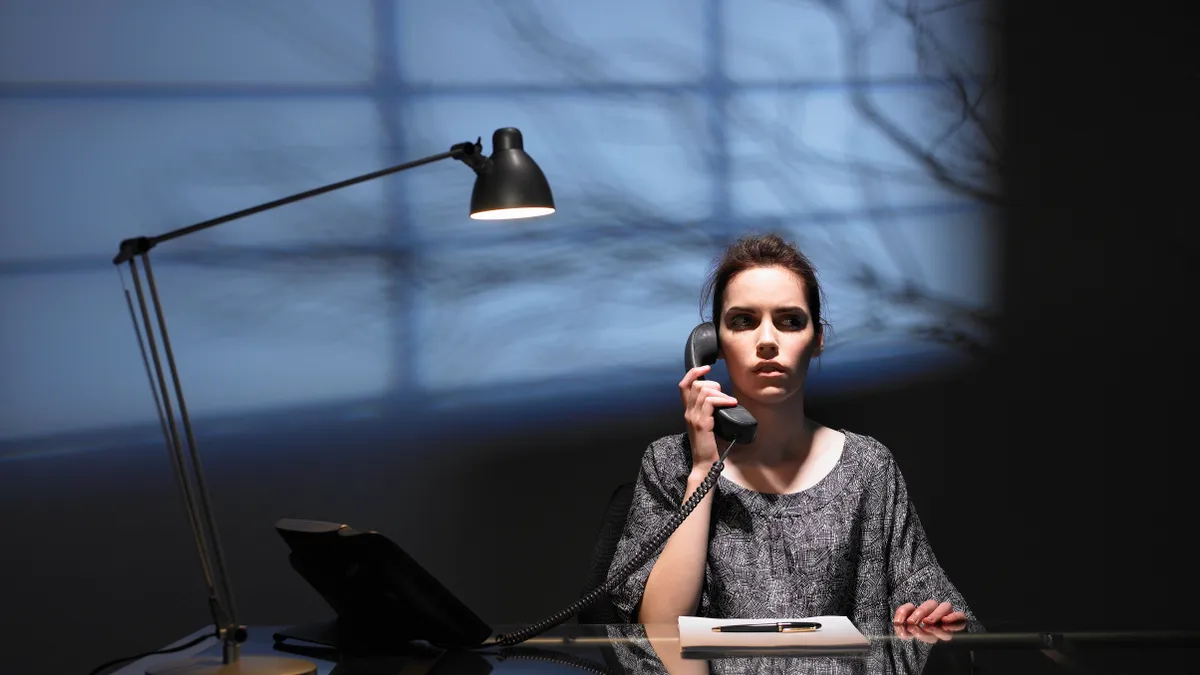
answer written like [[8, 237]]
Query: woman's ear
[[820, 343]]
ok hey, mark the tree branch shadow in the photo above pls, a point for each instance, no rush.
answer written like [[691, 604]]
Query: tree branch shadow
[[617, 230]]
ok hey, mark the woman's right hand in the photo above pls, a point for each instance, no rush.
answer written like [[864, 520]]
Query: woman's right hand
[[700, 399]]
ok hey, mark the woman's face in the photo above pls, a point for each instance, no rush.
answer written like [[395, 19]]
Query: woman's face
[[767, 334]]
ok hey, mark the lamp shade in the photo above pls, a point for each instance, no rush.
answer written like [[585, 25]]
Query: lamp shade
[[510, 185]]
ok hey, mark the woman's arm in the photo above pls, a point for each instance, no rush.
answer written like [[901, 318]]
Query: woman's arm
[[920, 588], [673, 588], [669, 585], [665, 481]]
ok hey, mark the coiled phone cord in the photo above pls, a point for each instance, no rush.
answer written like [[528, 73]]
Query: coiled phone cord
[[648, 549], [551, 656]]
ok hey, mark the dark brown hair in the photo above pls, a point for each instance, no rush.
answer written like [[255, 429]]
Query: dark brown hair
[[765, 250]]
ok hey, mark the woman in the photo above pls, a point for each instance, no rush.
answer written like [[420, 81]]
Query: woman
[[804, 521]]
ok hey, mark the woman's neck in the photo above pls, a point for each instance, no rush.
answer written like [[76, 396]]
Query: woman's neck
[[784, 434]]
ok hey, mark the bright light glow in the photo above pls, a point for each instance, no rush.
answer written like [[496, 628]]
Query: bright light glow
[[513, 214]]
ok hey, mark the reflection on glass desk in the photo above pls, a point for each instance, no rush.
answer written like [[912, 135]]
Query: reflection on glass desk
[[654, 649]]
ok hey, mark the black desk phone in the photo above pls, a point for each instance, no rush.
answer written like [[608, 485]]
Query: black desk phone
[[734, 424], [383, 596]]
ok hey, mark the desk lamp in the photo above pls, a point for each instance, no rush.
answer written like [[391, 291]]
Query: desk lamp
[[508, 185]]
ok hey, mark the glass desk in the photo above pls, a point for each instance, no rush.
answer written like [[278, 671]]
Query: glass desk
[[654, 650]]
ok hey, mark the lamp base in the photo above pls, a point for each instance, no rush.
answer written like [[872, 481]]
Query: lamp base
[[245, 665]]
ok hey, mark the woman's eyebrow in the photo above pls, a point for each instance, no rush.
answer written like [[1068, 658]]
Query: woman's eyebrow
[[780, 310]]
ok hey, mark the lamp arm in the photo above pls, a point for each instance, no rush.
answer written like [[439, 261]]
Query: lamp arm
[[164, 382], [469, 153]]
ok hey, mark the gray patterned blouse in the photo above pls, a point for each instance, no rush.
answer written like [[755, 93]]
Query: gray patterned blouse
[[851, 545]]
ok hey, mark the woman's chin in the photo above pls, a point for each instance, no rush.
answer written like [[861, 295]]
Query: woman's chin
[[769, 395]]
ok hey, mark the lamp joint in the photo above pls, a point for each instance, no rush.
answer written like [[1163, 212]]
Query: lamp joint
[[470, 154], [131, 248]]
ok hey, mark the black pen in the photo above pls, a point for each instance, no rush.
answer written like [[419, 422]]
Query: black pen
[[773, 627]]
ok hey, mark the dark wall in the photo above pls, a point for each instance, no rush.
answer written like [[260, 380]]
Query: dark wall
[[104, 555], [1056, 481], [97, 546], [1022, 519], [1091, 415]]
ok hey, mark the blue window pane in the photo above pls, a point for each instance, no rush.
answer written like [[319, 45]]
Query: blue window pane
[[482, 42], [892, 279], [813, 153], [82, 176], [774, 40], [244, 341], [186, 41], [607, 157], [556, 307], [563, 309]]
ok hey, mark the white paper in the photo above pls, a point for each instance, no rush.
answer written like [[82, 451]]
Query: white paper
[[837, 633]]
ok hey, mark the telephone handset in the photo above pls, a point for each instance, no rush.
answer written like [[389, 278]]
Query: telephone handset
[[731, 424], [735, 425]]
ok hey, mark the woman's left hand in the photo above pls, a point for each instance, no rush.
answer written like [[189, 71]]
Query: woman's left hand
[[929, 633], [930, 612]]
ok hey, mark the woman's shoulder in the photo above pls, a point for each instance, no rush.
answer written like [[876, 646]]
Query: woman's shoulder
[[670, 452], [868, 451]]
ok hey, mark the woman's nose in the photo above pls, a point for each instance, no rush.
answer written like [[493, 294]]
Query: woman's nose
[[767, 343]]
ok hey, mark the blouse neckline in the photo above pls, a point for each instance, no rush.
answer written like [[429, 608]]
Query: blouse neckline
[[812, 498]]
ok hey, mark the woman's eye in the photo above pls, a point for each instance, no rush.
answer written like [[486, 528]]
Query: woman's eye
[[739, 321]]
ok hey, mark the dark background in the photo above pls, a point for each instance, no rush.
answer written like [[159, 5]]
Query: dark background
[[1055, 480]]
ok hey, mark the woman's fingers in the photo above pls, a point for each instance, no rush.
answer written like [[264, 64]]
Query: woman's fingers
[[938, 631], [922, 633], [691, 376], [955, 618], [921, 612], [938, 612], [705, 395]]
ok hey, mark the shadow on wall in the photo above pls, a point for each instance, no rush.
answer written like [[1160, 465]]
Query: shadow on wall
[[506, 522]]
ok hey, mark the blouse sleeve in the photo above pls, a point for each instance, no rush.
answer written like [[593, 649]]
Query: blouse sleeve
[[914, 574], [658, 494]]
